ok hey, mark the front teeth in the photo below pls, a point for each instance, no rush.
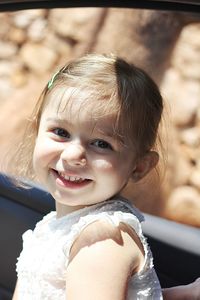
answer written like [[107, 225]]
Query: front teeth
[[71, 178]]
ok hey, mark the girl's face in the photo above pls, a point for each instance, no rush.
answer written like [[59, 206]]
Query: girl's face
[[77, 157]]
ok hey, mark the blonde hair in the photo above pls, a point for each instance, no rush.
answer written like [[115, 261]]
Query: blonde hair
[[125, 88]]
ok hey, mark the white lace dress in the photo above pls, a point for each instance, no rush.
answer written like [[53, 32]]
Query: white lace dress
[[43, 261]]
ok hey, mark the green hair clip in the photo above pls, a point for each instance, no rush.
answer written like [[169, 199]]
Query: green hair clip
[[50, 83]]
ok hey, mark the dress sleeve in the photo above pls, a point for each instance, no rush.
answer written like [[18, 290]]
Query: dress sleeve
[[24, 256], [114, 218]]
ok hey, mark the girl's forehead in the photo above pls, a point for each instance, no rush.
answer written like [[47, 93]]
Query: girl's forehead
[[75, 102]]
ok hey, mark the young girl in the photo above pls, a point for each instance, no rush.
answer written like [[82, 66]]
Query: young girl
[[93, 129]]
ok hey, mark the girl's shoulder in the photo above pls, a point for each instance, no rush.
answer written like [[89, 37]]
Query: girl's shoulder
[[102, 237], [114, 252], [114, 220]]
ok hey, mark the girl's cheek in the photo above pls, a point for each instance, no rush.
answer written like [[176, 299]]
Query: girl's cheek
[[44, 152], [103, 165]]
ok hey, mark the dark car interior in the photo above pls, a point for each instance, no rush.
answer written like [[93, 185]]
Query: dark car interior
[[175, 247], [176, 260]]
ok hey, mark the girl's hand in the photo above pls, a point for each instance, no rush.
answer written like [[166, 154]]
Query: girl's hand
[[194, 289], [183, 292]]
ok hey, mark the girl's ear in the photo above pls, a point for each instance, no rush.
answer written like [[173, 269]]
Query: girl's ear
[[145, 165]]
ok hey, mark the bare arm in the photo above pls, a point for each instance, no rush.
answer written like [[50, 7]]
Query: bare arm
[[15, 293], [101, 262], [183, 292]]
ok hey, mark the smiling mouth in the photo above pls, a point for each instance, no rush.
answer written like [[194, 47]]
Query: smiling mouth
[[70, 181], [72, 178]]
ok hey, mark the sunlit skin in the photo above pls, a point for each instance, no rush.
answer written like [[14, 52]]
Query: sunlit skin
[[71, 143]]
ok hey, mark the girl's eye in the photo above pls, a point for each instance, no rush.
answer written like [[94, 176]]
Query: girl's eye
[[61, 132], [102, 144]]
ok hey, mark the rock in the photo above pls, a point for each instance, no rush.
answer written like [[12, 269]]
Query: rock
[[166, 86], [184, 100], [17, 110], [37, 30], [190, 34], [74, 23], [38, 58], [198, 162], [5, 25], [13, 73], [187, 61], [190, 136], [22, 19], [7, 50], [191, 154], [179, 169], [8, 67], [19, 78], [184, 205], [195, 178], [17, 35], [186, 56], [6, 89], [198, 116], [62, 47]]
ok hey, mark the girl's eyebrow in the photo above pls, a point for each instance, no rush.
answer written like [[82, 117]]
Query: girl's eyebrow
[[107, 133], [58, 120], [112, 135]]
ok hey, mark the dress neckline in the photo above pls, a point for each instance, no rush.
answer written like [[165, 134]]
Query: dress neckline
[[83, 211]]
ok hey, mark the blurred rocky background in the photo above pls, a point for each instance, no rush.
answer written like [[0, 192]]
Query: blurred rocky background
[[35, 43]]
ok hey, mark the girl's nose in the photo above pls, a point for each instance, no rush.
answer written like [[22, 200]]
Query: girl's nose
[[74, 154]]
